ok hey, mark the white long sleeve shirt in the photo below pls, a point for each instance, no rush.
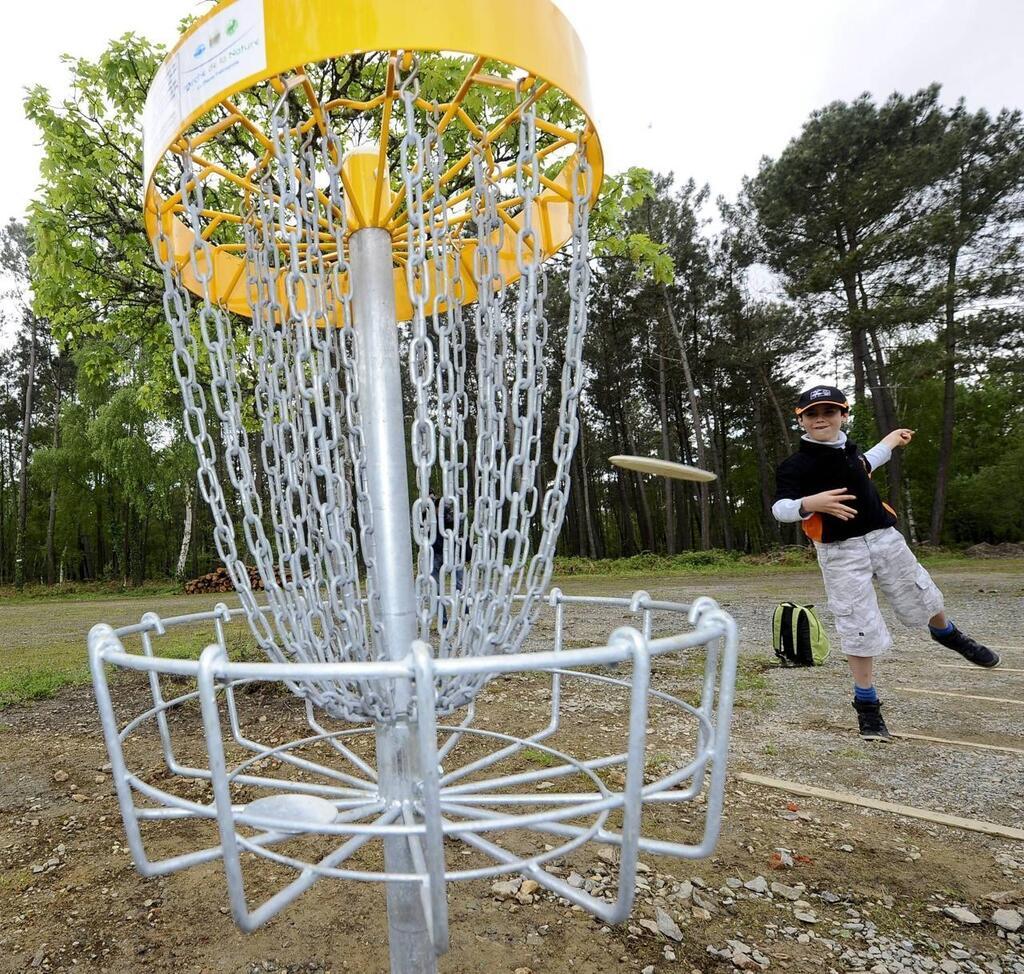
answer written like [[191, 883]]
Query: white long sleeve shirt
[[788, 509]]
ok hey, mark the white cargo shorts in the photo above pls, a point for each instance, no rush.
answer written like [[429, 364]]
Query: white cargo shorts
[[849, 567]]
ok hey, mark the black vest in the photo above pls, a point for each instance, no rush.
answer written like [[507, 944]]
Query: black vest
[[817, 467]]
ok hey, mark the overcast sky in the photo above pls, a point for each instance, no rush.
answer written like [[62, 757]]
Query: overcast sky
[[704, 89]]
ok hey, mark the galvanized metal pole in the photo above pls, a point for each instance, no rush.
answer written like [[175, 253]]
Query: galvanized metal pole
[[380, 407]]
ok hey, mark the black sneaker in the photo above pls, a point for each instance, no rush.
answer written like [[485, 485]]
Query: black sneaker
[[869, 717], [970, 649]]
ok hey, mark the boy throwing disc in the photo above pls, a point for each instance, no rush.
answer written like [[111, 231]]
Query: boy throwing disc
[[827, 485]]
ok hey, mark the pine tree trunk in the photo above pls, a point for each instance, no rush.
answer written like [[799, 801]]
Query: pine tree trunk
[[845, 242], [627, 536], [683, 520], [646, 521], [19, 545], [51, 524], [788, 436], [141, 552], [592, 545], [695, 412], [85, 571], [857, 346], [4, 452], [718, 464], [764, 475], [948, 408], [100, 561], [576, 496], [666, 452], [627, 533], [126, 568]]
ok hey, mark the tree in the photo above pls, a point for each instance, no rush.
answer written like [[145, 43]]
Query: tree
[[15, 254], [93, 271], [895, 227], [839, 215], [975, 233], [662, 241]]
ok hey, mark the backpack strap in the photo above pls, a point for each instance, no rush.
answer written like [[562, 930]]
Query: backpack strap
[[787, 653], [802, 637]]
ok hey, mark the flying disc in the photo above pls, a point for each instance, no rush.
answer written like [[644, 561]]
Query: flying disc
[[662, 468]]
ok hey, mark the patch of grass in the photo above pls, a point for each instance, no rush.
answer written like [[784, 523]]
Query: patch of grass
[[38, 673], [659, 761], [15, 880], [750, 673], [853, 753], [753, 691], [777, 561], [690, 562], [38, 684], [541, 758], [87, 591]]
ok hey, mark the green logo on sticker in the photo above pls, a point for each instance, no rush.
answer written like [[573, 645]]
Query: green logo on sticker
[[232, 26]]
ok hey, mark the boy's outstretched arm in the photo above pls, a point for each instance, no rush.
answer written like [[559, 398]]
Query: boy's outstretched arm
[[881, 452], [900, 437]]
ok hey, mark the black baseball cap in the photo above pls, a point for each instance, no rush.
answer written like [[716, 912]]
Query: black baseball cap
[[821, 395]]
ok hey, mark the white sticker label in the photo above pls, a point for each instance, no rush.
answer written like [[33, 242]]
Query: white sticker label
[[228, 47]]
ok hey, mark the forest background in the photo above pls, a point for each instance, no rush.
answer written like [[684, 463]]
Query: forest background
[[891, 230]]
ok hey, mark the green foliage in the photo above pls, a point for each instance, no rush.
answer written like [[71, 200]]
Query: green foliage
[[93, 272], [988, 505], [88, 591], [621, 195], [837, 203], [540, 758], [42, 667], [39, 684], [900, 227], [896, 228], [750, 674], [691, 562]]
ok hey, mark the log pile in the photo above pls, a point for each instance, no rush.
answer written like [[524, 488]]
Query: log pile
[[220, 581], [1005, 550]]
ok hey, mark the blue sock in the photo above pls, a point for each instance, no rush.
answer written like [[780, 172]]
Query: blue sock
[[864, 694], [942, 632]]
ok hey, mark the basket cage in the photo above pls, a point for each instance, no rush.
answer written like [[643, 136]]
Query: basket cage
[[303, 792]]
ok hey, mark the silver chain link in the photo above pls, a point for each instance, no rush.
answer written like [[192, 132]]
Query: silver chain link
[[476, 433]]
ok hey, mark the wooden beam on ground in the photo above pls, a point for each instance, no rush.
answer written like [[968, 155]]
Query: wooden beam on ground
[[908, 811], [961, 696], [936, 740], [965, 666], [946, 740]]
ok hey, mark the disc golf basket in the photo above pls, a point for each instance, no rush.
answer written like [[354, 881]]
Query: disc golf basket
[[332, 190]]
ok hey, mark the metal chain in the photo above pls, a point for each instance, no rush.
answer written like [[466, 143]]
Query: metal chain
[[476, 386], [413, 154]]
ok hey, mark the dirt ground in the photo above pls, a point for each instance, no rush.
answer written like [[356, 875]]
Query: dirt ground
[[865, 891]]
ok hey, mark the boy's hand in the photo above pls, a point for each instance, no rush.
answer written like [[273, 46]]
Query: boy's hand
[[831, 502], [898, 438]]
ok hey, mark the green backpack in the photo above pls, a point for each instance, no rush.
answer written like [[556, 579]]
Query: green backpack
[[797, 635]]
